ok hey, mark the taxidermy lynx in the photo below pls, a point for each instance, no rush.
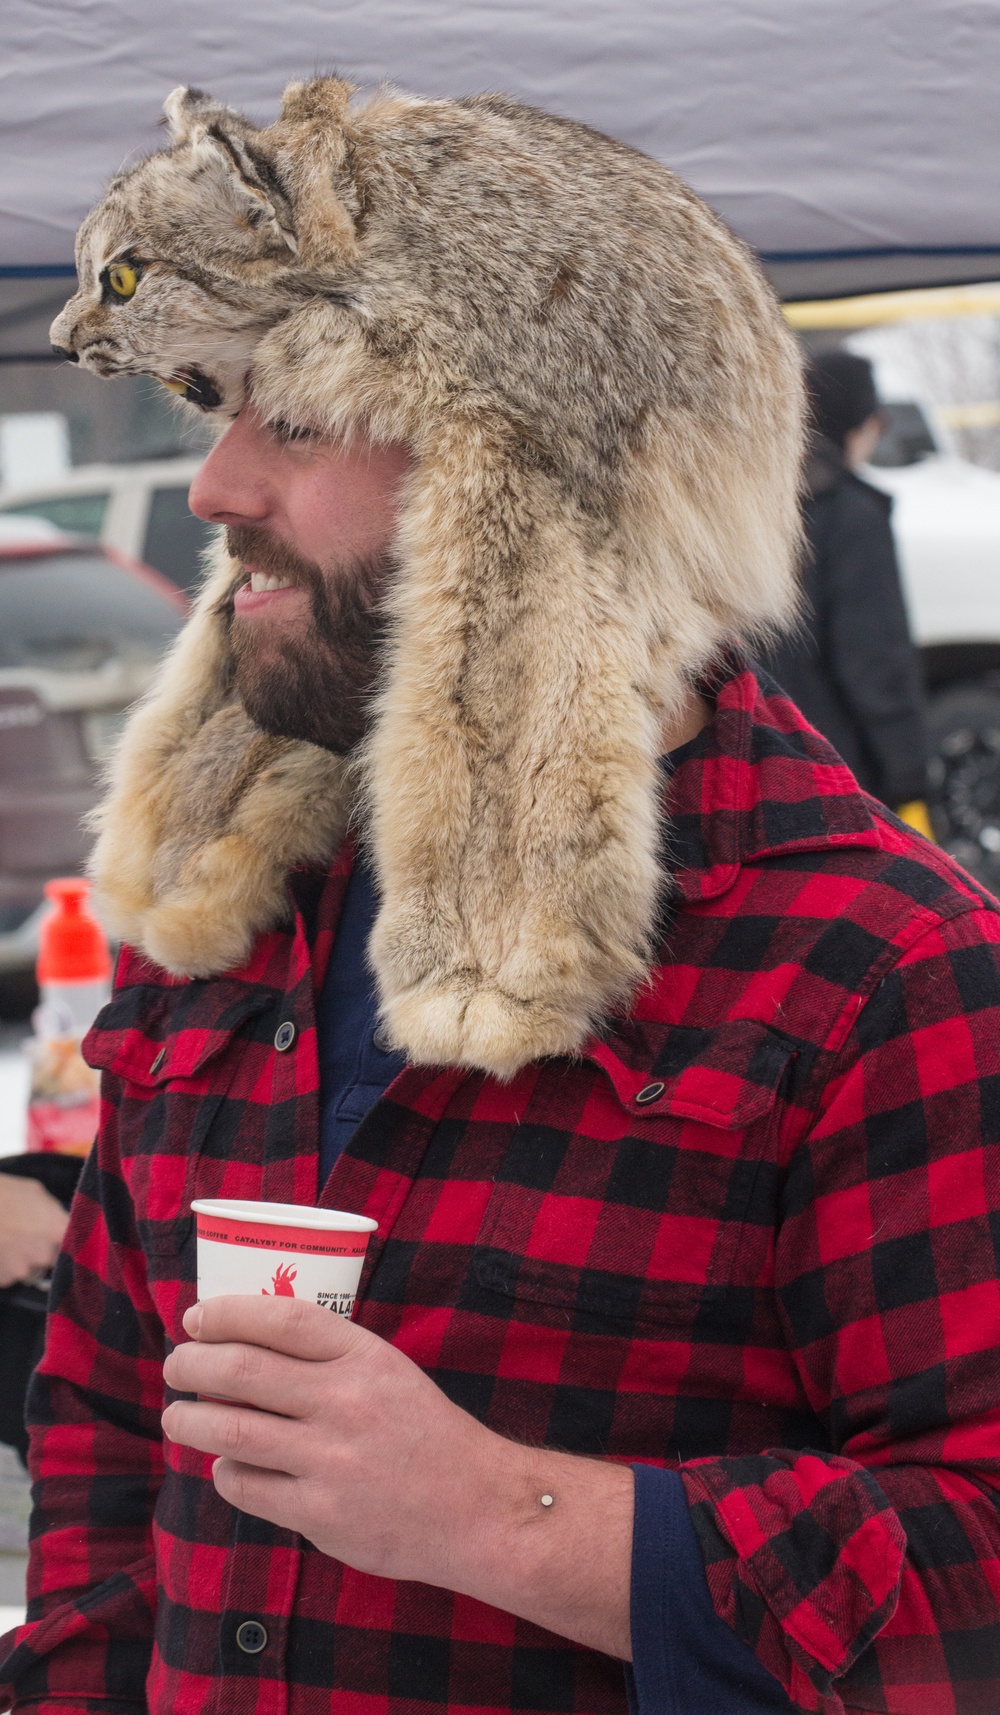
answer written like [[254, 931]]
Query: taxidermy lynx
[[603, 405]]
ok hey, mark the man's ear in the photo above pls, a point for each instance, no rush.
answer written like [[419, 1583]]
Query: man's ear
[[217, 137]]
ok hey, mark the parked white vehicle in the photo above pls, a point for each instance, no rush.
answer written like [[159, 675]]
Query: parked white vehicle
[[140, 509], [946, 521], [946, 517]]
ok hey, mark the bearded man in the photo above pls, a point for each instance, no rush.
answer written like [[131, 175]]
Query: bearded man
[[471, 881]]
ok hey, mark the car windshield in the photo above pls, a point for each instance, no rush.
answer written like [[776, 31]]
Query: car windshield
[[74, 613], [175, 538], [80, 514], [906, 438]]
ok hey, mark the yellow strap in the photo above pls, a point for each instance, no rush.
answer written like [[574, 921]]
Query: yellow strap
[[916, 815]]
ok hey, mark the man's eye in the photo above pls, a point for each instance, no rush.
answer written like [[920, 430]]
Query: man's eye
[[286, 432], [122, 278]]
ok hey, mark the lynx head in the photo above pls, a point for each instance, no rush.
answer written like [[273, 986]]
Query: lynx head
[[191, 255]]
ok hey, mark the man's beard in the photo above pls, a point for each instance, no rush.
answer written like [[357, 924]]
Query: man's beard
[[317, 686]]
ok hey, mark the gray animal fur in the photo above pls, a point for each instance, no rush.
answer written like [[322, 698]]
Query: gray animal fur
[[604, 407]]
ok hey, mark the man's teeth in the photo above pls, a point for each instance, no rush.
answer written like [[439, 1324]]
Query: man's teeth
[[260, 581]]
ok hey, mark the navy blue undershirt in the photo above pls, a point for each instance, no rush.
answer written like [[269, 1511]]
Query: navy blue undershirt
[[353, 1071], [684, 1657], [685, 1660]]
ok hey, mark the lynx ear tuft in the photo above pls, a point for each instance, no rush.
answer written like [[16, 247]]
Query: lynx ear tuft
[[182, 110], [326, 99]]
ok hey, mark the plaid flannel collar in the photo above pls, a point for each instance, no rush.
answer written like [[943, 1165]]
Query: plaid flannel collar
[[756, 782]]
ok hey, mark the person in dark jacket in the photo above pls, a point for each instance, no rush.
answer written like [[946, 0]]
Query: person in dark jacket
[[35, 1194], [851, 667]]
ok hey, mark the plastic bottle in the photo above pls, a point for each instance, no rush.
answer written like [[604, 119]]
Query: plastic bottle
[[74, 976]]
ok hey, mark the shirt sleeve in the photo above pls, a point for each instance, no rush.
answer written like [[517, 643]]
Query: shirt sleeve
[[94, 1407], [867, 1577], [684, 1657]]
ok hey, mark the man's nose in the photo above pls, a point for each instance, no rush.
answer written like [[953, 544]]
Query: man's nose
[[232, 486]]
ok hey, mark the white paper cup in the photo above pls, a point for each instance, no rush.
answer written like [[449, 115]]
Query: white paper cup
[[280, 1250]]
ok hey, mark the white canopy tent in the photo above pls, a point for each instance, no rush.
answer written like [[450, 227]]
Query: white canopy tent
[[854, 143]]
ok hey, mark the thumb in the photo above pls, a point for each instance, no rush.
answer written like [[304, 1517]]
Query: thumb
[[289, 1325]]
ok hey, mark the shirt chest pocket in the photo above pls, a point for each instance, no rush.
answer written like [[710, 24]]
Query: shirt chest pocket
[[177, 1053], [639, 1212]]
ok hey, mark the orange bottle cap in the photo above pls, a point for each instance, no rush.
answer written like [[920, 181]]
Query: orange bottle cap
[[71, 944]]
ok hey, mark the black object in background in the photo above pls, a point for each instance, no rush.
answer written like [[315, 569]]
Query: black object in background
[[851, 666], [23, 1307]]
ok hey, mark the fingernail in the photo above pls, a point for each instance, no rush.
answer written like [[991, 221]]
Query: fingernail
[[192, 1320]]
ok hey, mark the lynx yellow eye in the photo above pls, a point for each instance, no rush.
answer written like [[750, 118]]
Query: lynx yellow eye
[[123, 279]]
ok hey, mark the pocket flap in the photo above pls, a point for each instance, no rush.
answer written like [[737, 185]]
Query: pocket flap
[[726, 1076], [182, 1027]]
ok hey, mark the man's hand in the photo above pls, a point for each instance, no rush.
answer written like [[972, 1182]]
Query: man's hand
[[32, 1224], [353, 1446]]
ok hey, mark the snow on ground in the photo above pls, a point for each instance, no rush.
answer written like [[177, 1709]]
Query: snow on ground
[[14, 1501], [13, 1087], [15, 1505]]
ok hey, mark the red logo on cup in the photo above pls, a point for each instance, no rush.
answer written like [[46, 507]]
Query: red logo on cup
[[319, 1257], [281, 1280]]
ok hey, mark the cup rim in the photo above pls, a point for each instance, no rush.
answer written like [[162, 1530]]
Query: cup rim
[[284, 1215]]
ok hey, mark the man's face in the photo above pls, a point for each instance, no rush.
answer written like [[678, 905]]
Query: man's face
[[313, 524]]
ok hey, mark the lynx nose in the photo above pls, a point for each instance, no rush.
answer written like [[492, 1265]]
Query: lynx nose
[[64, 351]]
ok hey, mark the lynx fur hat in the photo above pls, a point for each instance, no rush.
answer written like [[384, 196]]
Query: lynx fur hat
[[603, 406]]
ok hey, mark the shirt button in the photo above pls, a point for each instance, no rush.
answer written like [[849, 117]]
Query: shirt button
[[650, 1093], [157, 1063], [381, 1040], [284, 1036], [251, 1637]]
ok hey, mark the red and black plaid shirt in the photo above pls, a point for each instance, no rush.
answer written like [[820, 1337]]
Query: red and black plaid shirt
[[752, 1232]]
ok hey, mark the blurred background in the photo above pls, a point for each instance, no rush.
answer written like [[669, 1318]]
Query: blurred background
[[848, 142]]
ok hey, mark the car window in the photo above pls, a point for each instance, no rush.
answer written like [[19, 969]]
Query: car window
[[81, 514], [72, 613], [175, 538], [906, 438]]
